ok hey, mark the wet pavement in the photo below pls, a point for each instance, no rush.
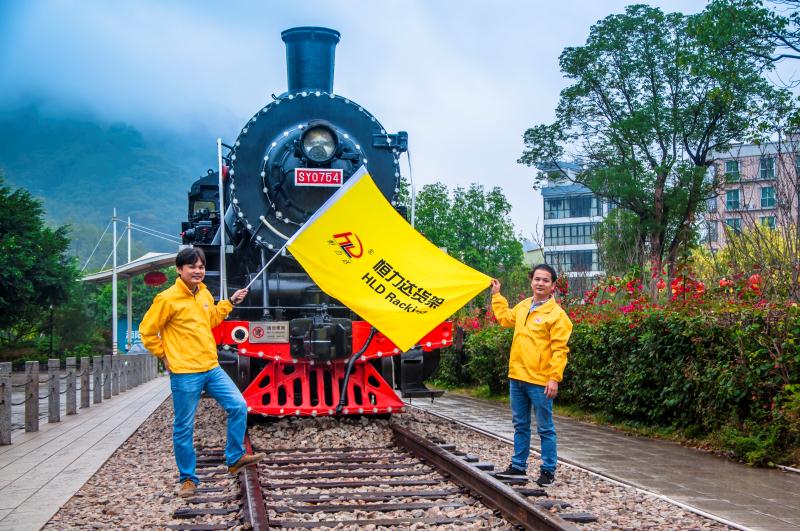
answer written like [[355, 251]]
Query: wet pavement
[[754, 498], [40, 471]]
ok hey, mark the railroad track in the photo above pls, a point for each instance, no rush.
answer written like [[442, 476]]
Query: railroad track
[[413, 482]]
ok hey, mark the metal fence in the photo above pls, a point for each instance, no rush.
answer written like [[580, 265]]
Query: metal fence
[[100, 377]]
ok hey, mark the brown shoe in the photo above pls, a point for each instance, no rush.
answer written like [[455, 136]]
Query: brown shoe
[[187, 489], [245, 460]]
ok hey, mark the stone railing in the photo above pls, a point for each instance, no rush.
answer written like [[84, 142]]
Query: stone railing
[[99, 376]]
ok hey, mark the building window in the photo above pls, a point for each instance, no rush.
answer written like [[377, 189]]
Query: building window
[[735, 224], [571, 234], [712, 232], [767, 197], [767, 168], [731, 170], [573, 261], [732, 200], [768, 221], [572, 207]]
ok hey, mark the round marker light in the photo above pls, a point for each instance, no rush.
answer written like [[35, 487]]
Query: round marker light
[[319, 143]]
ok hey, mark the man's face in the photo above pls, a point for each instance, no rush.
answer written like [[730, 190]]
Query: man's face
[[542, 285], [192, 274]]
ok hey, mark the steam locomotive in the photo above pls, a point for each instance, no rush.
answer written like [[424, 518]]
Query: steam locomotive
[[290, 348]]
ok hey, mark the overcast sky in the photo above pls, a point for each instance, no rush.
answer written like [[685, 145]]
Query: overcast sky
[[464, 78]]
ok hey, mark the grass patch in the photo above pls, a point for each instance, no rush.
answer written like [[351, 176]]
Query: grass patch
[[480, 391]]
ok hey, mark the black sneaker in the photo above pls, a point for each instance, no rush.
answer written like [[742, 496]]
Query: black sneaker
[[512, 472], [545, 478]]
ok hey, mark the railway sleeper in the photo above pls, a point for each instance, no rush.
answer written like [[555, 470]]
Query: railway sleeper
[[334, 458], [377, 507], [205, 527], [558, 504], [531, 492], [386, 522], [366, 495], [355, 474], [323, 450], [334, 466], [351, 484], [215, 499], [185, 512], [581, 518]]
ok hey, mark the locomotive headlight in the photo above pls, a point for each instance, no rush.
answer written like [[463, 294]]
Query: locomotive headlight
[[319, 143]]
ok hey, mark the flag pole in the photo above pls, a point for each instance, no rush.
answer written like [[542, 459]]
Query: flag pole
[[223, 288], [279, 251]]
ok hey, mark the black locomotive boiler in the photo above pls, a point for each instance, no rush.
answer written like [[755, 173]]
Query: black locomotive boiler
[[288, 344]]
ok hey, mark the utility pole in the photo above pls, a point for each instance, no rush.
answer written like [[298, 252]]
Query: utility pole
[[129, 337], [114, 317]]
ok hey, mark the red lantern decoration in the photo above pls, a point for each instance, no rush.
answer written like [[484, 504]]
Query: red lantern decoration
[[155, 278]]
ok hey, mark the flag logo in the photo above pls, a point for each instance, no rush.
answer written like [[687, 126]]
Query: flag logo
[[348, 246]]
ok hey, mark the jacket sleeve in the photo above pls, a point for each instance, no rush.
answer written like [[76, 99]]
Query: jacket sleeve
[[559, 336], [219, 312], [504, 315], [152, 323]]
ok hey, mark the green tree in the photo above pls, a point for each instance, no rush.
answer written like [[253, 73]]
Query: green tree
[[472, 224], [141, 298], [35, 270], [654, 95], [620, 241]]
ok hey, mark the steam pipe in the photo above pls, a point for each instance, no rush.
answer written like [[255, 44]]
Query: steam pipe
[[350, 364]]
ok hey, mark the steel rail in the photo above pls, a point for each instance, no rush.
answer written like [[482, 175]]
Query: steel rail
[[497, 495], [253, 510]]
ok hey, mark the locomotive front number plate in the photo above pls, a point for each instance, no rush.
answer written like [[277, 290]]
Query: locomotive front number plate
[[269, 332], [318, 177]]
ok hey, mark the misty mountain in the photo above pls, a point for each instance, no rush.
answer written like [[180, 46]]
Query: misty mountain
[[82, 169]]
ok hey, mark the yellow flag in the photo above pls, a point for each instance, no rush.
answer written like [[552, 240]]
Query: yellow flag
[[360, 251]]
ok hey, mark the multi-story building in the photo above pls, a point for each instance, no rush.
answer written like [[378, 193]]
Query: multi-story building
[[760, 186], [571, 215]]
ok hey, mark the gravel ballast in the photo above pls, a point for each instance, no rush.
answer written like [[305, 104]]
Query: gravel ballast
[[136, 488]]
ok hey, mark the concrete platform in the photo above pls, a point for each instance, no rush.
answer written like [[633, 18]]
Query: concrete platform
[[753, 498], [40, 471]]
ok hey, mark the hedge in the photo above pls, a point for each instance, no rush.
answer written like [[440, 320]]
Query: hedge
[[729, 373]]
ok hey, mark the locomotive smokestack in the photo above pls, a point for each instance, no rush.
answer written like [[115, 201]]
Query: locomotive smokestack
[[310, 54]]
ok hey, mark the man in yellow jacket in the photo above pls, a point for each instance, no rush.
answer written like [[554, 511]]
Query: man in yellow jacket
[[535, 367], [177, 329]]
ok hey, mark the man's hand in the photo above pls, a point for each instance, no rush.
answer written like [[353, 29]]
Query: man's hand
[[495, 285], [239, 296], [551, 390], [165, 362]]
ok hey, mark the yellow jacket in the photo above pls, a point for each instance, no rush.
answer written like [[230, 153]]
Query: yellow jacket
[[178, 326], [539, 348]]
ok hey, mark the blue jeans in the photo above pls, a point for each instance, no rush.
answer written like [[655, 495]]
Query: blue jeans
[[186, 389], [523, 396]]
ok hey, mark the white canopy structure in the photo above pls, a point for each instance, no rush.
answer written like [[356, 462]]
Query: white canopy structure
[[140, 266]]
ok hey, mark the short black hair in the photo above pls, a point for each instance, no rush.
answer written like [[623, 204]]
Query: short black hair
[[190, 255], [544, 267]]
